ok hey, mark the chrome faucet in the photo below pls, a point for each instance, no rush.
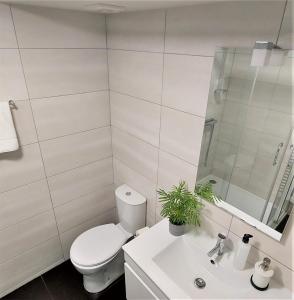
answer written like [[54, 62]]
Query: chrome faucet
[[220, 244]]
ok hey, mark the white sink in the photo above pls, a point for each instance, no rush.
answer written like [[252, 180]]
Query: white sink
[[182, 261], [173, 263]]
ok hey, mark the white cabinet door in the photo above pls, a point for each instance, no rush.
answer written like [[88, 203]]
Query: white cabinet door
[[136, 289]]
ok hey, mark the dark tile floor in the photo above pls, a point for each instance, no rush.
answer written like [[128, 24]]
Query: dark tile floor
[[65, 283]]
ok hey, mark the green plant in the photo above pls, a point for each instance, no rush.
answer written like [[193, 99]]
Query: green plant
[[205, 191], [180, 205]]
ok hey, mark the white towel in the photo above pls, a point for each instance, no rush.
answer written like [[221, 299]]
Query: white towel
[[8, 138]]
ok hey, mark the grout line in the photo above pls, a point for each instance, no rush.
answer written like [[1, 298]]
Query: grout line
[[57, 48], [28, 250], [79, 167], [282, 20], [83, 195], [157, 104], [73, 133], [156, 147], [158, 52], [64, 95], [33, 117], [109, 99], [160, 120], [53, 175]]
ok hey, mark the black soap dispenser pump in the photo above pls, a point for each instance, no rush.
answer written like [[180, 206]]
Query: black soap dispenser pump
[[242, 252]]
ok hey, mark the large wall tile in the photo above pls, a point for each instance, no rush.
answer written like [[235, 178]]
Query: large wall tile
[[200, 28], [26, 266], [172, 170], [59, 116], [69, 236], [138, 117], [181, 134], [24, 123], [24, 202], [186, 82], [136, 153], [39, 27], [75, 150], [143, 31], [7, 35], [80, 181], [84, 208], [27, 234], [279, 250], [12, 82], [54, 72], [20, 167], [136, 73]]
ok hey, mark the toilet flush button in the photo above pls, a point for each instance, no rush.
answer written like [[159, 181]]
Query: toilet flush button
[[128, 193]]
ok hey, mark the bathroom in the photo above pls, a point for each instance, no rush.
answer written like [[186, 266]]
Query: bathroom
[[103, 104]]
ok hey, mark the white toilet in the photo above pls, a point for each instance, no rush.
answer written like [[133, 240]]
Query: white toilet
[[97, 252]]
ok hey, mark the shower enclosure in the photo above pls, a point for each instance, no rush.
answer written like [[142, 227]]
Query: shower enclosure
[[247, 151]]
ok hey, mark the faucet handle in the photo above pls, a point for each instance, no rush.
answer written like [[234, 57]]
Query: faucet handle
[[221, 236]]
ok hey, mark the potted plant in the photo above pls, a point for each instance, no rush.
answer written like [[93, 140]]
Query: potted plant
[[183, 207]]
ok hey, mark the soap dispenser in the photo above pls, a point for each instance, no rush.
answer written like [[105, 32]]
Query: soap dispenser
[[242, 252], [262, 274]]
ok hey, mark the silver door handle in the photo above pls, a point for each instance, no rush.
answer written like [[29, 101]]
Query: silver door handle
[[280, 146]]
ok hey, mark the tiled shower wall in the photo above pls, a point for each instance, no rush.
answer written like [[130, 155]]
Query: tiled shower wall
[[159, 69], [53, 64]]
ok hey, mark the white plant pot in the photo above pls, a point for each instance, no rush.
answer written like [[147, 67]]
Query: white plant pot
[[176, 230]]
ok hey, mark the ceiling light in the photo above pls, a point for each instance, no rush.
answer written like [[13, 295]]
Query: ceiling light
[[104, 8]]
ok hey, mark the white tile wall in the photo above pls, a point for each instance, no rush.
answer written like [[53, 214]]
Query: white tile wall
[[59, 116], [186, 82], [7, 36], [136, 73], [84, 208], [192, 33], [141, 156], [57, 76], [75, 150], [142, 31], [199, 29], [21, 167], [24, 202], [80, 181], [27, 234], [57, 28], [181, 134], [54, 72], [12, 83], [24, 124], [138, 117]]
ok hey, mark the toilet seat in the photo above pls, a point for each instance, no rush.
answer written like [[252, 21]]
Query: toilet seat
[[97, 246]]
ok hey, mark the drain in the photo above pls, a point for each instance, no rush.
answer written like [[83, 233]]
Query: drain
[[212, 181], [200, 283]]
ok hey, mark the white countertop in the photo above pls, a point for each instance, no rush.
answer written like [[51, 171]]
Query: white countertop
[[145, 249]]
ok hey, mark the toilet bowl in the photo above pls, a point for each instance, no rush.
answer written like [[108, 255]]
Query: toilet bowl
[[97, 252]]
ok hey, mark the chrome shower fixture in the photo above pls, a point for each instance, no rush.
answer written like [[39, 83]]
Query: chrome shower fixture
[[266, 53]]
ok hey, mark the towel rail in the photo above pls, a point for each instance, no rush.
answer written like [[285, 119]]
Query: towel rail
[[12, 104]]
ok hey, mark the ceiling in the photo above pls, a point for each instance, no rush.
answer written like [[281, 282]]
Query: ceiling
[[131, 5]]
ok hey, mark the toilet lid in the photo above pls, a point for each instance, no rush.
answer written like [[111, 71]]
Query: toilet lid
[[97, 245]]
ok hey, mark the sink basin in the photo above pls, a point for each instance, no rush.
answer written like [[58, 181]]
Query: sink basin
[[182, 261], [172, 264]]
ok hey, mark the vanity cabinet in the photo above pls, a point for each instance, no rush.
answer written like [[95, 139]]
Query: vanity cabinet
[[135, 286]]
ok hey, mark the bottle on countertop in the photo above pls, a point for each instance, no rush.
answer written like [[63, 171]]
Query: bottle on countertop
[[262, 274], [242, 252]]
